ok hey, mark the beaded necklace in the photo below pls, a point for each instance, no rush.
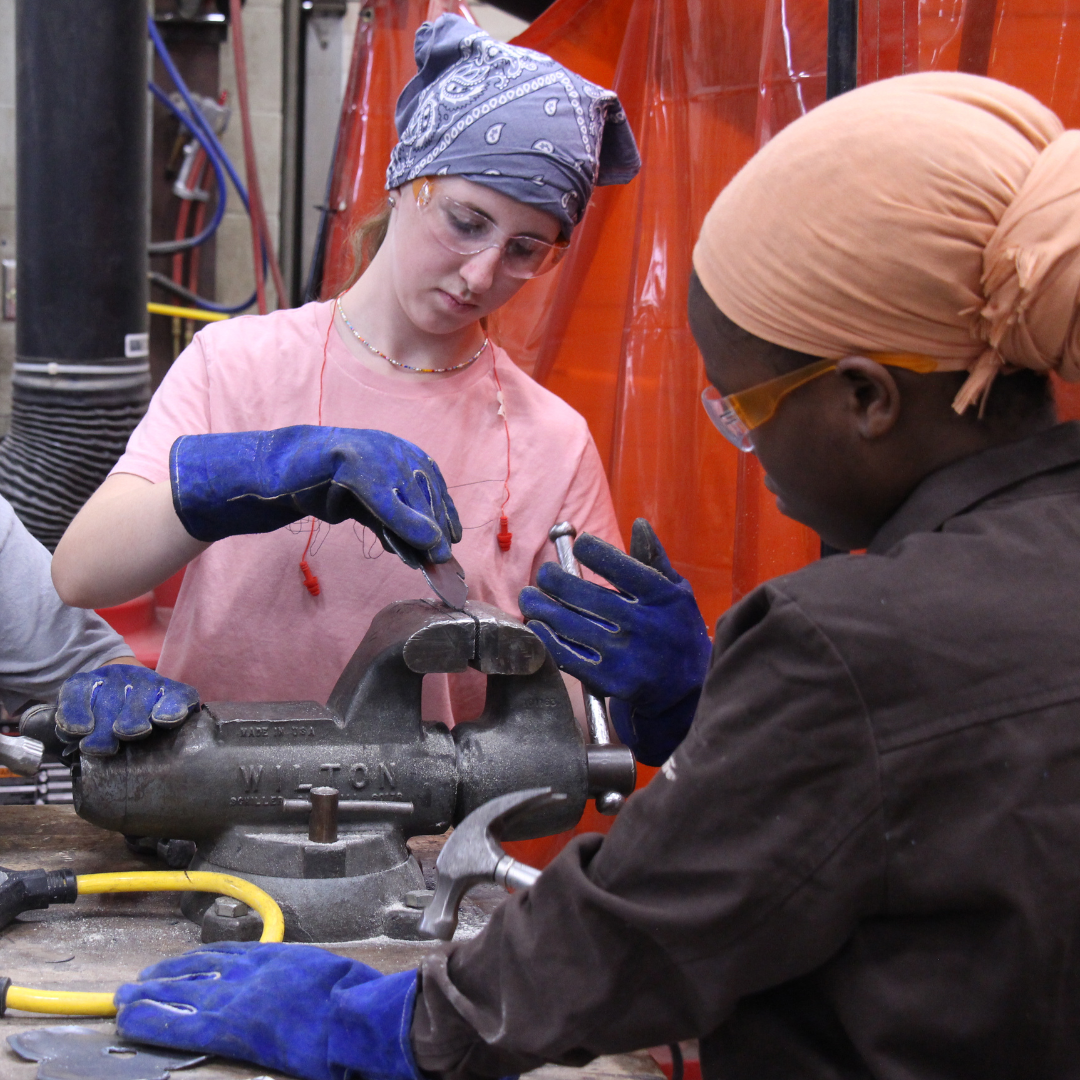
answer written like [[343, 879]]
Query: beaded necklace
[[397, 363]]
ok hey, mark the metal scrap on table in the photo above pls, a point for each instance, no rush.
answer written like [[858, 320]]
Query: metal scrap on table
[[73, 1052]]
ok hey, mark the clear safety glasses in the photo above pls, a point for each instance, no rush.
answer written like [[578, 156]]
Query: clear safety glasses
[[736, 415], [465, 231]]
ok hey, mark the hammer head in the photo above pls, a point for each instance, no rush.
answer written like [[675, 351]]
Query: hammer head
[[472, 853]]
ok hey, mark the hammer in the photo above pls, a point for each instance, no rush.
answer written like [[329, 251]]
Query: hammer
[[562, 536], [472, 856]]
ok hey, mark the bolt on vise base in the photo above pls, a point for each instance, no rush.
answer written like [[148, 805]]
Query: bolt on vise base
[[314, 803]]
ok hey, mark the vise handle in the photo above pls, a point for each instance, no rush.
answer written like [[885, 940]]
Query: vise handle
[[324, 805]]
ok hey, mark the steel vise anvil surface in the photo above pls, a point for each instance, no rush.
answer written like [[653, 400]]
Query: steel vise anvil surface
[[237, 777]]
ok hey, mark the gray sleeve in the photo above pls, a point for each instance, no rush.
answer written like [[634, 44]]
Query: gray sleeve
[[42, 640]]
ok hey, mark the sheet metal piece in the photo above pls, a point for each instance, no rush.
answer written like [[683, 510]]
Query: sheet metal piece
[[447, 581], [74, 1052]]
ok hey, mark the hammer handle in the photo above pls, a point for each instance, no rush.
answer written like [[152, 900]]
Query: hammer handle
[[511, 874], [595, 711], [21, 754], [564, 548]]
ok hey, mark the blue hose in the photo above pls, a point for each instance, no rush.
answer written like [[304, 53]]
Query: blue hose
[[161, 281], [196, 113], [170, 247], [215, 152]]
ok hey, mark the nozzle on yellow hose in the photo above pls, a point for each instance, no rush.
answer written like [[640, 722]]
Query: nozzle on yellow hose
[[79, 1003], [31, 890]]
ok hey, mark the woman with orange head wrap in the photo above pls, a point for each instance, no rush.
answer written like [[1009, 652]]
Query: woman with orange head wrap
[[860, 859]]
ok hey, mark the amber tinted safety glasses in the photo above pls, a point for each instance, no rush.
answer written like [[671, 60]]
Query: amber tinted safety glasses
[[736, 415], [466, 231]]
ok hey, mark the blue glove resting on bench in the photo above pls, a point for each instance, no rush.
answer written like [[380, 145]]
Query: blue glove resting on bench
[[295, 1008]]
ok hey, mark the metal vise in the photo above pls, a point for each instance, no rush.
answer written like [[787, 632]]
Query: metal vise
[[314, 803]]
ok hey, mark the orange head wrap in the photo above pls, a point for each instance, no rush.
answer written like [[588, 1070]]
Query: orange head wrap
[[936, 213]]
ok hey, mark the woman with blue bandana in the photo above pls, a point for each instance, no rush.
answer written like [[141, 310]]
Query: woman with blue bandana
[[269, 430]]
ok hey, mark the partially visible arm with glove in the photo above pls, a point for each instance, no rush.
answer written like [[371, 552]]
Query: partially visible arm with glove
[[120, 703], [259, 481], [645, 646], [133, 534], [42, 642]]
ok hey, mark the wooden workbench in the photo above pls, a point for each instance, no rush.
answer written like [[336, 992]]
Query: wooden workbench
[[103, 941]]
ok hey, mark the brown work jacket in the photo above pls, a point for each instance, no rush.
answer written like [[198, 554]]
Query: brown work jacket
[[864, 859]]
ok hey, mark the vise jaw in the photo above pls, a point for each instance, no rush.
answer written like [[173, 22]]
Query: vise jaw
[[252, 783]]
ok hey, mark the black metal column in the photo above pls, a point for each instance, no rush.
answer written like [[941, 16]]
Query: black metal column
[[841, 71], [843, 47], [81, 377]]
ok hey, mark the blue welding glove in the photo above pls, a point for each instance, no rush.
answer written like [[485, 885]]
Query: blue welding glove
[[259, 481], [294, 1008], [645, 646], [119, 701]]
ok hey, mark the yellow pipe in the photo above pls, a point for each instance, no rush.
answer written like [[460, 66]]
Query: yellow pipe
[[78, 1003], [186, 312]]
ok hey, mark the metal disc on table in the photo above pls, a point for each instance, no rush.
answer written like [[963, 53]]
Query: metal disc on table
[[73, 1052]]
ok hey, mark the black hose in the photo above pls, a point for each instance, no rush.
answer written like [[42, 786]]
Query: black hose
[[841, 72], [59, 449], [317, 269], [165, 247], [165, 282], [172, 247], [200, 127]]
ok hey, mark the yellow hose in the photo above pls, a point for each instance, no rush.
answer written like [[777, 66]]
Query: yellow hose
[[78, 1003], [185, 312]]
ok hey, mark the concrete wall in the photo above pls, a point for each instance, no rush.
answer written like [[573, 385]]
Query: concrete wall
[[497, 23], [263, 49]]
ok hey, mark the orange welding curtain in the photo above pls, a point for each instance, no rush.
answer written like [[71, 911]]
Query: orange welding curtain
[[704, 83], [382, 63]]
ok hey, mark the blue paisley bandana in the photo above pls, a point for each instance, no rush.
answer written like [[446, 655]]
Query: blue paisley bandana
[[511, 119]]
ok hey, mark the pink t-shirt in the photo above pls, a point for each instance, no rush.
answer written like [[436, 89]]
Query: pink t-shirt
[[244, 627]]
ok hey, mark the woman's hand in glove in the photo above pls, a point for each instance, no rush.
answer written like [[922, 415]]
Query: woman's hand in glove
[[117, 702], [259, 481], [294, 1008], [645, 644]]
